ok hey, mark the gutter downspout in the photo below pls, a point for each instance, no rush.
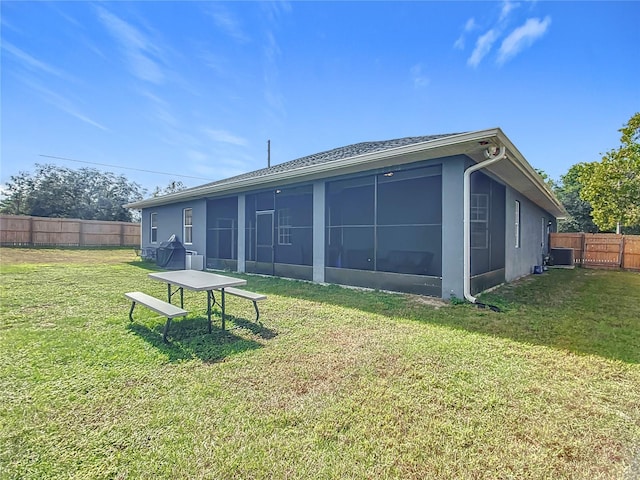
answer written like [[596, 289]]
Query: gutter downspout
[[491, 159]]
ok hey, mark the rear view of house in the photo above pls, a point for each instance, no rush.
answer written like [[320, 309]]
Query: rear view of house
[[395, 215]]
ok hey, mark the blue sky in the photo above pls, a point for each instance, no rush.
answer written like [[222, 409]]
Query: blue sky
[[197, 88]]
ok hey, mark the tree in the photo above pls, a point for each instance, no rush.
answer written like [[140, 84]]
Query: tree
[[612, 186], [54, 191], [550, 182], [568, 192], [579, 210], [173, 187]]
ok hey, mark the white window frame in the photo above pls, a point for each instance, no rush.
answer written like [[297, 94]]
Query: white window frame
[[479, 218], [284, 226], [187, 227], [154, 227], [517, 223]]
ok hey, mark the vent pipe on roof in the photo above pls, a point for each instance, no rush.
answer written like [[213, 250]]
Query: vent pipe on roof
[[268, 153], [492, 156]]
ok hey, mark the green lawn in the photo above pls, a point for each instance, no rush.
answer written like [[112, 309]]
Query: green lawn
[[336, 382]]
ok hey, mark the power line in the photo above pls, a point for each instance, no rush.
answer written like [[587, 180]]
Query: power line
[[125, 168]]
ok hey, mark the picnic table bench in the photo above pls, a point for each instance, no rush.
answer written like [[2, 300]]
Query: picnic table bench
[[159, 306], [254, 297]]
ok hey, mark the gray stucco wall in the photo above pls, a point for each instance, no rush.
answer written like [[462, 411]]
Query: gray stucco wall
[[533, 242], [518, 261], [242, 233], [170, 222], [452, 227], [318, 231]]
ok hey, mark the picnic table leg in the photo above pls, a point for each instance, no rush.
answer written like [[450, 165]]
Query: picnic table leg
[[171, 294], [209, 295], [166, 330], [133, 305], [222, 307], [255, 305]]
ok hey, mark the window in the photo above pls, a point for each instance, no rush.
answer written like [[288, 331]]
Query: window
[[188, 225], [154, 227], [479, 217], [284, 226], [517, 223], [389, 222]]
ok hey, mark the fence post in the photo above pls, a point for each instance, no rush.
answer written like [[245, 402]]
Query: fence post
[[583, 253], [622, 252], [122, 234], [31, 231], [81, 233]]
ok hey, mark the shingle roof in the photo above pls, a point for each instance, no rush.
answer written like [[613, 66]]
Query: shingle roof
[[333, 155]]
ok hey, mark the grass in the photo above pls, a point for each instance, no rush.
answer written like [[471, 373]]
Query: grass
[[336, 383]]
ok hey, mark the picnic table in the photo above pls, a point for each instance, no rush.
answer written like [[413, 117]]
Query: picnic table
[[199, 281]]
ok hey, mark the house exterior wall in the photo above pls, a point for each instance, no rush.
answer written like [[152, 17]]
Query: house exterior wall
[[518, 261], [533, 235], [170, 221], [318, 231], [453, 227], [241, 234]]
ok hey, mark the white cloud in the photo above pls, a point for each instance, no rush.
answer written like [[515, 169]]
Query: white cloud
[[31, 62], [63, 104], [507, 7], [522, 37], [483, 47], [228, 23], [468, 27], [273, 97], [137, 47], [161, 109], [419, 77], [224, 136], [275, 10]]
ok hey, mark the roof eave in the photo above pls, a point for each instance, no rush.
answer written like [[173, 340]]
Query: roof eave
[[555, 207], [307, 172], [440, 147]]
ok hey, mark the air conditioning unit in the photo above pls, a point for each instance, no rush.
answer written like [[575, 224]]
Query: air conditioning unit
[[193, 261], [562, 257]]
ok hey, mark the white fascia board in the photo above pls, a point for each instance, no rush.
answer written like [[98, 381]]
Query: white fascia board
[[518, 160]]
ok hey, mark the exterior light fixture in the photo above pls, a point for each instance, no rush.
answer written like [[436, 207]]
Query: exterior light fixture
[[388, 174]]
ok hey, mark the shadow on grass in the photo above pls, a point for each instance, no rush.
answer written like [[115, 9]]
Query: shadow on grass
[[257, 329], [567, 310], [145, 265], [188, 339]]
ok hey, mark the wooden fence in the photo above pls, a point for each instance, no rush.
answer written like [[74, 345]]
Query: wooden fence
[[33, 231], [601, 250]]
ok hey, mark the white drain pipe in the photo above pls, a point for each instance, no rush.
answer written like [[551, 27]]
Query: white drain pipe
[[492, 157]]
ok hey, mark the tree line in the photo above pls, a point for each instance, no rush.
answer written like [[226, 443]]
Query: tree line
[[599, 196], [87, 193]]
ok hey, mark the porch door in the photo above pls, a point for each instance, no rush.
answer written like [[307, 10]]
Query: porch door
[[264, 242]]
